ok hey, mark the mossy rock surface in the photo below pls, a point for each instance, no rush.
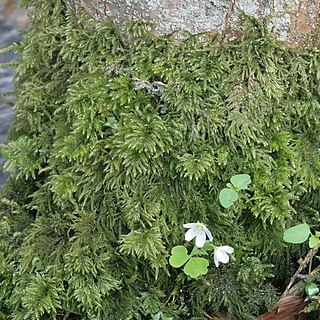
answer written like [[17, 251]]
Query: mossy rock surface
[[121, 137]]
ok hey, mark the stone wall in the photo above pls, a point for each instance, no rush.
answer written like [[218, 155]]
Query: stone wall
[[11, 20]]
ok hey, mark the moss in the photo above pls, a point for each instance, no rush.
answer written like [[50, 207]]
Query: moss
[[121, 137]]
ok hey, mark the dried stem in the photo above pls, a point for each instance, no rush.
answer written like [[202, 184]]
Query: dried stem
[[302, 264]]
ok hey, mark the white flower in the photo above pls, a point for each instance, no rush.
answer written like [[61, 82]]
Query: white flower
[[221, 254], [199, 231]]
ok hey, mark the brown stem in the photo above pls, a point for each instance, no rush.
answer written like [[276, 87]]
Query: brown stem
[[302, 264], [229, 14]]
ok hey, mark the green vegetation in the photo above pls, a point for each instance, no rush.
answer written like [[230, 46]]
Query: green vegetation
[[122, 137]]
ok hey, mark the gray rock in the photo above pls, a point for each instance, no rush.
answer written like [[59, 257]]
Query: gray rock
[[8, 34]]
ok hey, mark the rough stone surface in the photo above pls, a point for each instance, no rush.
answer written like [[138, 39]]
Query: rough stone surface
[[291, 19], [11, 20], [281, 25]]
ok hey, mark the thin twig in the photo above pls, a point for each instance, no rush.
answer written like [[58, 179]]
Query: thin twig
[[302, 264], [156, 87], [229, 14]]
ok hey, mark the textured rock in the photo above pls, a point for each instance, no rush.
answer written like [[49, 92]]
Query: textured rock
[[291, 19]]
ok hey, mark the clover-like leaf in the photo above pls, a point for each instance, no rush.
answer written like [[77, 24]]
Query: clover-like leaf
[[313, 241], [241, 181], [179, 256], [297, 234], [227, 197], [196, 267], [311, 289]]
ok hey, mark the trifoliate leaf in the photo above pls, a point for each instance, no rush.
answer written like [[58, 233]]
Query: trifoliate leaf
[[313, 241], [196, 267], [179, 256], [227, 197], [297, 234], [311, 289], [241, 181]]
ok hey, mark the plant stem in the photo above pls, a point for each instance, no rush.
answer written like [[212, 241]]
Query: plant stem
[[302, 264]]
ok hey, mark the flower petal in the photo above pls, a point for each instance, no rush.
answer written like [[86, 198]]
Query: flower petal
[[227, 249], [201, 239], [190, 234], [221, 256], [189, 225], [216, 261], [208, 233]]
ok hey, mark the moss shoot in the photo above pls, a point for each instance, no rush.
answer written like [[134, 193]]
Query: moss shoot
[[121, 137]]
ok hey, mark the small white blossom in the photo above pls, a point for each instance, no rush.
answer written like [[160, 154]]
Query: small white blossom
[[199, 231], [221, 254]]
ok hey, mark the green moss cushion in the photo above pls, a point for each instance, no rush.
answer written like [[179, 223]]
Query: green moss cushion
[[122, 137]]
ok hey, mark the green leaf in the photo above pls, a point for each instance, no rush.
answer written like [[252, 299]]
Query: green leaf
[[164, 317], [157, 316], [111, 122], [229, 185], [313, 241], [5, 152], [318, 234], [227, 197], [311, 289], [208, 246], [179, 256], [195, 251], [196, 267], [241, 181], [297, 234]]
